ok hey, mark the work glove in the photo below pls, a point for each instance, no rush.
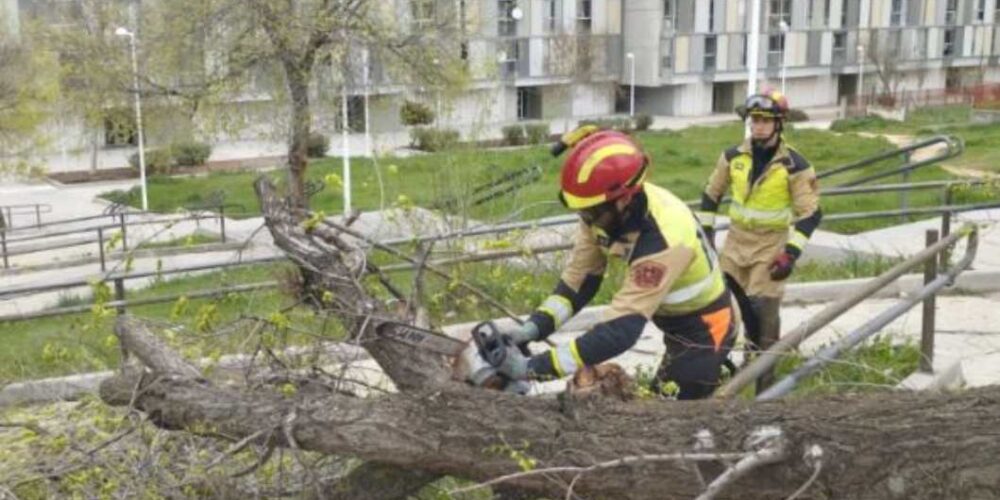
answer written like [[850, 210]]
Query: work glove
[[523, 333], [782, 266]]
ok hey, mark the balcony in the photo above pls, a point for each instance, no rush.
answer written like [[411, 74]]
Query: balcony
[[835, 50], [590, 57]]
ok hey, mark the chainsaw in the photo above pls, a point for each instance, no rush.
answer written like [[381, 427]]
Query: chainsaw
[[479, 360]]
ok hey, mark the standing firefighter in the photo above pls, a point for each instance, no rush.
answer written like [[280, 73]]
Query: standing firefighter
[[774, 210], [673, 276]]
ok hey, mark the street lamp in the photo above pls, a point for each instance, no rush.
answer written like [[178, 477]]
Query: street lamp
[[861, 72], [784, 41], [138, 114], [753, 50], [631, 94]]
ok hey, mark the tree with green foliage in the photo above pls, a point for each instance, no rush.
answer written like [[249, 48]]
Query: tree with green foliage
[[28, 90]]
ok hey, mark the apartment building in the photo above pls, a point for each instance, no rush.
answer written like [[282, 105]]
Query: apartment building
[[564, 60], [691, 55]]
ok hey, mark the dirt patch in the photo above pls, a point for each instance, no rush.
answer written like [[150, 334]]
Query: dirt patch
[[117, 174]]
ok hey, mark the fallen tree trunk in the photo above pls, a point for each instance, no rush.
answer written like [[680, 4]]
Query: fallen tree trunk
[[898, 445], [889, 445]]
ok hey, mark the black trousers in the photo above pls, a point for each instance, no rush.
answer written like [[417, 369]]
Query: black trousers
[[697, 345]]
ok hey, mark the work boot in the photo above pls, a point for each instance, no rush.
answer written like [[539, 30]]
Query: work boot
[[770, 329]]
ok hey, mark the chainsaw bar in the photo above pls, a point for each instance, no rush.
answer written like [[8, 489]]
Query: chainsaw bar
[[421, 338]]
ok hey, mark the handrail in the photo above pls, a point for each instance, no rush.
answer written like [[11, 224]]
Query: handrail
[[25, 290], [951, 141], [875, 325], [36, 208], [768, 359], [62, 311]]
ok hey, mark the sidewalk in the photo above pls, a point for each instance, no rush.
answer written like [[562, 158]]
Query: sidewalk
[[381, 142]]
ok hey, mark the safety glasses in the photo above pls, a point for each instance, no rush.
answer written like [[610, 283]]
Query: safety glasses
[[759, 102]]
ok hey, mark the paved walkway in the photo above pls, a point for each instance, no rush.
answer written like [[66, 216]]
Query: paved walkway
[[385, 142]]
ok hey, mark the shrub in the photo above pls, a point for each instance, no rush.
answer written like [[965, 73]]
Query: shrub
[[513, 135], [158, 160], [797, 115], [619, 124], [190, 154], [643, 122], [317, 145], [433, 139], [415, 113], [538, 133]]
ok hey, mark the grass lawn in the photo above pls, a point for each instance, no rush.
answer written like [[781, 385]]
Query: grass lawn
[[982, 142], [187, 241], [682, 162], [921, 121], [85, 342]]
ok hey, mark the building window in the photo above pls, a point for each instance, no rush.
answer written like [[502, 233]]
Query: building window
[[506, 24], [781, 11], [775, 49], [711, 16], [669, 15], [949, 43], [710, 50], [843, 13], [422, 12], [826, 12], [551, 14], [667, 54], [951, 12], [746, 42], [840, 47], [981, 11], [583, 16], [896, 13]]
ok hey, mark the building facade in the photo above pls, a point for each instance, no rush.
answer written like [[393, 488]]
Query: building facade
[[564, 60], [691, 55]]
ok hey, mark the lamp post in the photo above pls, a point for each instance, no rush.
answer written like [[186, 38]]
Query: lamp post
[[784, 41], [861, 73], [753, 50], [631, 94], [138, 115]]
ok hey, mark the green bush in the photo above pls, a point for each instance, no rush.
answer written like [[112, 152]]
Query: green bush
[[643, 122], [538, 133], [190, 154], [317, 145], [619, 124], [433, 139], [415, 113], [797, 115], [158, 161], [513, 135]]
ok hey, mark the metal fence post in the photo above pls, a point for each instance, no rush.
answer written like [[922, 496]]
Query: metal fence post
[[946, 229], [100, 246], [38, 216], [927, 326], [3, 242], [124, 240], [120, 295], [222, 222]]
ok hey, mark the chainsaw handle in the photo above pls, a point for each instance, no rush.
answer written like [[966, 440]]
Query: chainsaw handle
[[488, 340]]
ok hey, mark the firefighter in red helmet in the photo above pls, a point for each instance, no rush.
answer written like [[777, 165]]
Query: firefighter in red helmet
[[673, 277]]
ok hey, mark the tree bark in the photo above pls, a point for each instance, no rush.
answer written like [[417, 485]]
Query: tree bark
[[898, 445], [887, 445], [298, 158]]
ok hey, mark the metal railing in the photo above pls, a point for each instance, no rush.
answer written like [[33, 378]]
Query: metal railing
[[7, 213], [929, 256], [99, 231], [954, 146]]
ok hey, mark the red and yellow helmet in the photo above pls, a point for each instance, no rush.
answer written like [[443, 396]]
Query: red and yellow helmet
[[769, 103], [603, 166]]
